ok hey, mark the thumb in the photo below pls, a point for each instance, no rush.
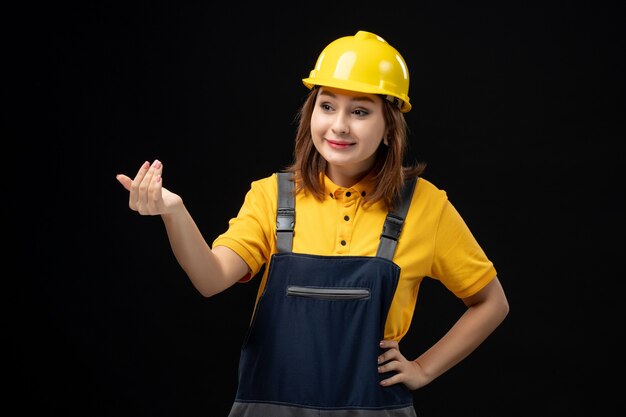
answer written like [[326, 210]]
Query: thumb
[[124, 180]]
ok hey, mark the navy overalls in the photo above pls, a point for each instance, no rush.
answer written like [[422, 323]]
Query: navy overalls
[[312, 345]]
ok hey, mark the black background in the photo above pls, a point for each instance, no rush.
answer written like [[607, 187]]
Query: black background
[[517, 109]]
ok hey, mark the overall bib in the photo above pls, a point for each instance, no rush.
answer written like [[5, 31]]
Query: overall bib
[[312, 346]]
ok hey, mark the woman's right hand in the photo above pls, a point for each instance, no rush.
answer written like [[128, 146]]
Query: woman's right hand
[[147, 195]]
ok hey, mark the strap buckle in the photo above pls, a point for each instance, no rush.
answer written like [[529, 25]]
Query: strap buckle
[[392, 227], [285, 219]]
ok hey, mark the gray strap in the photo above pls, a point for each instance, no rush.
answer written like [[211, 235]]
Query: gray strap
[[285, 215], [394, 221]]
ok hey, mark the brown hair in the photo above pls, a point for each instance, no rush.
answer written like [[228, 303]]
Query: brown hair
[[388, 171]]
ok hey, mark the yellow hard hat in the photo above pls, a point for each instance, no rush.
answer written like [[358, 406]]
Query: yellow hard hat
[[365, 63]]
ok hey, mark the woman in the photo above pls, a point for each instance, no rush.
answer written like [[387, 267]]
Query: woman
[[347, 234]]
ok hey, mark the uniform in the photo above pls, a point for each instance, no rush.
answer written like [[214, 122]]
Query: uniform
[[311, 347]]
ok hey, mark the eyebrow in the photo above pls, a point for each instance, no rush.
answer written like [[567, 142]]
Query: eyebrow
[[357, 98]]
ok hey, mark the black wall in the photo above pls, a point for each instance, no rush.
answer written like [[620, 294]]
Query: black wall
[[517, 109]]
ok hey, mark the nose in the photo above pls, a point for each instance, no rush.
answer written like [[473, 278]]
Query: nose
[[341, 125]]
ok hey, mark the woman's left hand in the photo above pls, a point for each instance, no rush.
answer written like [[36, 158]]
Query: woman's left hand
[[407, 372]]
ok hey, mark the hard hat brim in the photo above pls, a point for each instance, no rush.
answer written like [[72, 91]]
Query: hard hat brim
[[356, 86]]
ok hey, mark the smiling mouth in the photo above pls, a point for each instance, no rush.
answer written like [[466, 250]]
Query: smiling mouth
[[339, 145]]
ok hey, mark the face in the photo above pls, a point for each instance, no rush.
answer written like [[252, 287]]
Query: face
[[347, 128]]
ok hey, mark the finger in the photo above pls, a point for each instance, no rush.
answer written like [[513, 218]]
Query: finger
[[155, 188], [143, 196], [133, 197], [124, 180], [141, 173], [393, 380], [390, 353], [389, 344], [389, 366]]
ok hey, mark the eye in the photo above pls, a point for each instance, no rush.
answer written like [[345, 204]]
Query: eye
[[326, 107], [361, 112]]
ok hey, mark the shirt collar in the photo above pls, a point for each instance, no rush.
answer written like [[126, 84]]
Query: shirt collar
[[362, 188]]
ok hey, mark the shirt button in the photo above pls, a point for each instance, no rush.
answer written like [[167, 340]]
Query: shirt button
[[346, 218], [331, 195], [362, 193], [343, 243], [348, 194]]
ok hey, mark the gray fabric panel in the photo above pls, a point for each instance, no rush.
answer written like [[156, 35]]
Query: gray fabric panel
[[274, 410]]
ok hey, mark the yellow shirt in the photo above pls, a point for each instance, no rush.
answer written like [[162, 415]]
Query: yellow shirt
[[435, 241]]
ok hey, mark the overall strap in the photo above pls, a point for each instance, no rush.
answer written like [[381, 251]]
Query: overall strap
[[395, 220], [285, 215]]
